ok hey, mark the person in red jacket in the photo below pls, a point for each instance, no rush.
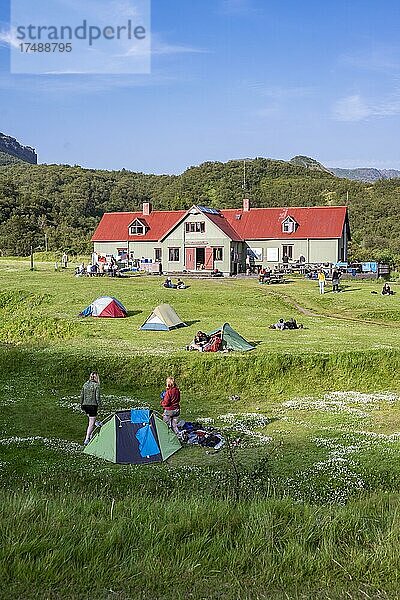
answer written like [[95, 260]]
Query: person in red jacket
[[171, 403]]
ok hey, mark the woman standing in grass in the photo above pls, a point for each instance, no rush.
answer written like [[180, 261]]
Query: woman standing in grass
[[171, 403], [321, 281], [90, 402]]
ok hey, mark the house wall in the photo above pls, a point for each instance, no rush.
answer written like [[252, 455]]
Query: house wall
[[212, 237], [313, 250], [139, 249], [323, 251], [104, 248], [343, 244]]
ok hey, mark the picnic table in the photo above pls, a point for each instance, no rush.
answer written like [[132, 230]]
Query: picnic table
[[273, 278]]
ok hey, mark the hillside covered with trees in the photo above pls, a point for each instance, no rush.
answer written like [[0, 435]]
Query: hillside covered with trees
[[66, 203]]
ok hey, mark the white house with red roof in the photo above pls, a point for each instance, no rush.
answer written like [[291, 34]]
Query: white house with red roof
[[203, 238]]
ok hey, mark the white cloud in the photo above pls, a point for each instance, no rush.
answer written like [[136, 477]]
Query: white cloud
[[356, 108], [164, 48], [9, 39], [351, 108], [278, 97], [159, 47]]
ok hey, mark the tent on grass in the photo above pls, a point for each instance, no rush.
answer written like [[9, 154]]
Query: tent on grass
[[163, 318], [232, 340], [106, 306], [225, 338], [136, 436]]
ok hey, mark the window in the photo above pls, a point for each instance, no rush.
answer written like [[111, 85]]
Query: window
[[122, 253], [173, 254], [218, 253], [272, 254], [289, 225], [137, 228], [157, 254], [195, 227], [287, 251], [255, 253]]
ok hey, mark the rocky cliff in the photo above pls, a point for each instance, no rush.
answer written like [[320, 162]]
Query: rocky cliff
[[9, 145], [309, 163], [367, 175]]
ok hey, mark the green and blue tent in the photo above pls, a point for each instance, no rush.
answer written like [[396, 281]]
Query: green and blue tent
[[137, 436]]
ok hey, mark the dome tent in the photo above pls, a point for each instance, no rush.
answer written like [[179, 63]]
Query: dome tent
[[106, 306], [136, 436]]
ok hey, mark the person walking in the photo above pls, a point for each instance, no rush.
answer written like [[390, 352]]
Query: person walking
[[321, 281], [171, 403], [90, 402]]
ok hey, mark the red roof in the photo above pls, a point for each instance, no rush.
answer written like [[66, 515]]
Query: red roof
[[317, 222], [113, 227], [223, 223]]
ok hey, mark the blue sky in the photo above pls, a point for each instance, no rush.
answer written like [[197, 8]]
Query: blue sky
[[229, 79]]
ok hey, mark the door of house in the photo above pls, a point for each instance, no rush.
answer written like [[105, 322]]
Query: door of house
[[200, 259], [190, 258], [209, 260]]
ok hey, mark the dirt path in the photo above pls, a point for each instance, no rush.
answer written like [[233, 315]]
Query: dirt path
[[309, 313]]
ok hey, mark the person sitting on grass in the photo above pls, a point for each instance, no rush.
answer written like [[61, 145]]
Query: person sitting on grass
[[168, 283], [386, 290], [265, 276], [280, 325], [292, 324], [215, 343], [200, 340], [180, 285], [216, 273]]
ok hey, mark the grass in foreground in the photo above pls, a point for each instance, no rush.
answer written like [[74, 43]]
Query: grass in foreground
[[76, 547]]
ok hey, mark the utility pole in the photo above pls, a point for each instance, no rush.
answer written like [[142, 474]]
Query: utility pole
[[244, 186]]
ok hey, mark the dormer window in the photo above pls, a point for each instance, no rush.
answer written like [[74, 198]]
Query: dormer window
[[137, 228], [289, 225]]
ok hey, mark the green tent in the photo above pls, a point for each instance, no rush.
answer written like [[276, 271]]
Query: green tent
[[136, 436], [232, 340]]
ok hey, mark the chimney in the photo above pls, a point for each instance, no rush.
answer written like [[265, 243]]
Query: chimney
[[147, 209], [246, 205]]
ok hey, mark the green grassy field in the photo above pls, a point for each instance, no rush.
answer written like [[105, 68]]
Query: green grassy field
[[314, 513]]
